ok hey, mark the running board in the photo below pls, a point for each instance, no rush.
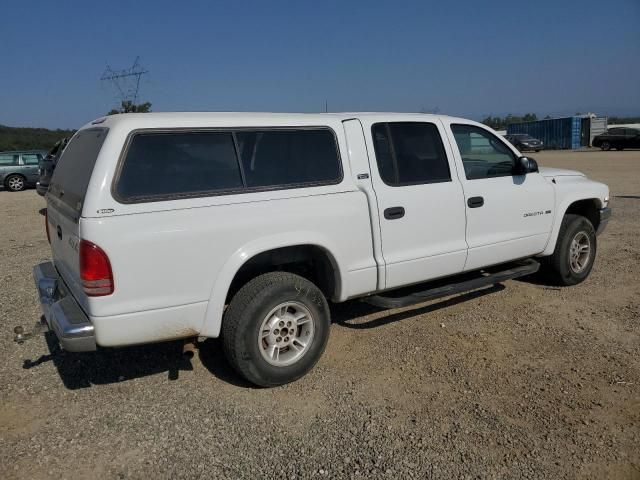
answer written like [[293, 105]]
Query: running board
[[520, 269]]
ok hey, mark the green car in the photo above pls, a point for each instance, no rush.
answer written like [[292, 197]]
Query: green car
[[19, 169]]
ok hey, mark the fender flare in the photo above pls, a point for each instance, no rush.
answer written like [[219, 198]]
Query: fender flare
[[560, 213], [213, 317]]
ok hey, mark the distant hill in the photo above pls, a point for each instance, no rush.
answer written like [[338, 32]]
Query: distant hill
[[18, 138]]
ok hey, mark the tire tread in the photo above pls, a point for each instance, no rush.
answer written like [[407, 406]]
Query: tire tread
[[557, 259], [233, 321]]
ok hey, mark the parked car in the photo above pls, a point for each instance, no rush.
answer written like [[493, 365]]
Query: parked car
[[618, 138], [48, 164], [242, 225], [19, 169], [524, 142]]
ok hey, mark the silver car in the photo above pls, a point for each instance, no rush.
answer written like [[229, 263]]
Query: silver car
[[19, 169]]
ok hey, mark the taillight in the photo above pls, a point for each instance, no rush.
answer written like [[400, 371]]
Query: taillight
[[95, 270], [46, 224]]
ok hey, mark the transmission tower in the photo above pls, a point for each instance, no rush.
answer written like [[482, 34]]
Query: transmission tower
[[126, 81]]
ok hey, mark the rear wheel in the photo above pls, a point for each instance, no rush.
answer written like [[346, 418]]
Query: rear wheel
[[15, 183], [276, 328], [575, 251], [606, 146]]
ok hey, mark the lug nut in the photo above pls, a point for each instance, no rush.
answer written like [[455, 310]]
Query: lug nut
[[281, 324], [288, 324], [279, 339], [276, 331], [286, 339]]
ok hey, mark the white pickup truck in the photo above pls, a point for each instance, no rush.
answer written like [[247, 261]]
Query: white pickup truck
[[245, 225]]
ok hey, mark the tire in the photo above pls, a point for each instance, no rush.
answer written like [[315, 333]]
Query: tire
[[567, 268], [15, 183], [256, 318], [606, 146]]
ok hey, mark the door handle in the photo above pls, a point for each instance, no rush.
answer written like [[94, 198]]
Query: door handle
[[475, 202], [394, 213]]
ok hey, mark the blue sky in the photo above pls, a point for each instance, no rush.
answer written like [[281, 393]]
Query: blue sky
[[467, 58]]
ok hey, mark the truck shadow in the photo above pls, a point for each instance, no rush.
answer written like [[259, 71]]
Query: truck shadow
[[212, 357], [117, 365], [350, 314], [107, 365]]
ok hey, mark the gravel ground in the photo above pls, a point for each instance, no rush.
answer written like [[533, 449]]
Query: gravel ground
[[517, 381]]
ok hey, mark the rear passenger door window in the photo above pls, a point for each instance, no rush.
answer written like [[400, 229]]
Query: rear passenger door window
[[272, 158], [410, 153], [8, 160]]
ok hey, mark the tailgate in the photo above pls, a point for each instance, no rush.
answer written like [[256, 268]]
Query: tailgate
[[64, 232], [65, 200]]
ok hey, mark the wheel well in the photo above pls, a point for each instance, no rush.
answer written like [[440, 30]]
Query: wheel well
[[309, 261], [14, 175], [588, 209]]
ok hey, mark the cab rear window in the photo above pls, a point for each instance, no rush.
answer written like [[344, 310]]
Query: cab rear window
[[73, 171]]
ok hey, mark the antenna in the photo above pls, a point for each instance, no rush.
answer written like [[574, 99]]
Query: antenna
[[126, 81]]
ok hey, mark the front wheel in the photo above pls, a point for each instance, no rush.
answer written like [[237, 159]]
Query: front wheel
[[606, 146], [575, 251], [276, 328]]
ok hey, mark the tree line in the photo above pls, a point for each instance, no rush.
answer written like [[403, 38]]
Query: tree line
[[22, 138], [622, 120], [500, 123], [19, 138]]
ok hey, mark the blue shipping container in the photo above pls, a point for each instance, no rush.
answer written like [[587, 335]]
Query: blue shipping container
[[554, 132]]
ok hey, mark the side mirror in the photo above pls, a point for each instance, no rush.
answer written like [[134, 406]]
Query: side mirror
[[526, 165]]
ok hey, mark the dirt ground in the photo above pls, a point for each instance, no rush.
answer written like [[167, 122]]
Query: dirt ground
[[521, 380]]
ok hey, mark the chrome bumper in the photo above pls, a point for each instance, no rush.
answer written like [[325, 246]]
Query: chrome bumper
[[61, 311], [605, 215]]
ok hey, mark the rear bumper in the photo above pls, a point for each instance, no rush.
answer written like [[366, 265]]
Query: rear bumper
[[605, 215], [61, 311]]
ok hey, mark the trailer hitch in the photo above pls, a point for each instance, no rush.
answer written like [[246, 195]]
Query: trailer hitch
[[21, 336]]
